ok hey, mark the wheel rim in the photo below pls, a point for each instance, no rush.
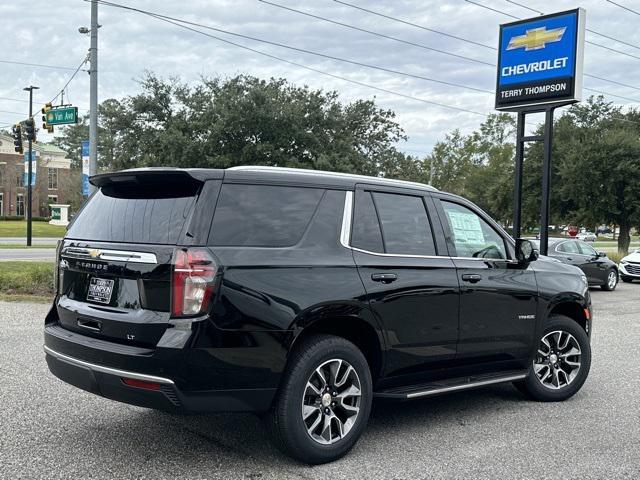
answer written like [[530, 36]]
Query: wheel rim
[[331, 401], [558, 360], [612, 279]]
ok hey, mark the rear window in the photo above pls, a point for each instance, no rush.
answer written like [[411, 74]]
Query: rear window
[[140, 214], [263, 215]]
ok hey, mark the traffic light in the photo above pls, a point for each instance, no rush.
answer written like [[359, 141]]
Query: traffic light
[[45, 110], [17, 138], [30, 129]]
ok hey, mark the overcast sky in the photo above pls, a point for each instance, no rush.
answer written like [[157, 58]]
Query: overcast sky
[[130, 43]]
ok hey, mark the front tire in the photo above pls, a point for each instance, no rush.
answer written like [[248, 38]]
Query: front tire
[[324, 401], [561, 364], [611, 281]]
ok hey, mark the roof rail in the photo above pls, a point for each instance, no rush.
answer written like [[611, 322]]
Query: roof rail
[[363, 178]]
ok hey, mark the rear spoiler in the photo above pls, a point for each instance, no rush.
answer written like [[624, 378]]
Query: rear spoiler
[[147, 176]]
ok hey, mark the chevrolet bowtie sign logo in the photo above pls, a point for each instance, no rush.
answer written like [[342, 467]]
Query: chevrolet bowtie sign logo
[[536, 38], [94, 253]]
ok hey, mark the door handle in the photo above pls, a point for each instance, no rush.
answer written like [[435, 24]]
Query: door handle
[[471, 277], [384, 277]]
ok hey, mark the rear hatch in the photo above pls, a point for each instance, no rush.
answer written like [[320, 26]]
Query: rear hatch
[[115, 263]]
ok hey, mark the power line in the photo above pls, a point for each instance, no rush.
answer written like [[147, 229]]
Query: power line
[[13, 62], [296, 64], [587, 29], [395, 19], [71, 78], [625, 8], [357, 7], [297, 49], [400, 40], [620, 52], [9, 111]]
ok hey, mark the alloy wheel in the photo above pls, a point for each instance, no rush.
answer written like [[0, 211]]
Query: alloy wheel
[[331, 401], [558, 360], [612, 279]]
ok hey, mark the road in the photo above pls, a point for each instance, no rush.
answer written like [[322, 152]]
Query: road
[[51, 430], [30, 254], [34, 240]]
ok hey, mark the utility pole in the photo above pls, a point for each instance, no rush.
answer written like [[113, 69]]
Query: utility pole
[[30, 137], [93, 93]]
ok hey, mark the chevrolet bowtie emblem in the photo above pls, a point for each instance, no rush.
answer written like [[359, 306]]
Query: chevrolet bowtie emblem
[[94, 253], [536, 38]]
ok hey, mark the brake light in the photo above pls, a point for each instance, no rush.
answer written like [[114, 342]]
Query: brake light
[[192, 282]]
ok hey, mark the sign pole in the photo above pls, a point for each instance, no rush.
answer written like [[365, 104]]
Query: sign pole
[[517, 200], [546, 181]]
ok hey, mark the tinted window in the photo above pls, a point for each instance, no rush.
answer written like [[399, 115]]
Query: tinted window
[[366, 228], [586, 249], [405, 224], [134, 215], [569, 247], [263, 215], [472, 236]]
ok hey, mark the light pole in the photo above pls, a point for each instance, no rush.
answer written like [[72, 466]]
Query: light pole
[[30, 89], [93, 89]]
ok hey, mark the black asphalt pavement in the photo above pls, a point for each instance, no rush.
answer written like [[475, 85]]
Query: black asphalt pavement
[[50, 430]]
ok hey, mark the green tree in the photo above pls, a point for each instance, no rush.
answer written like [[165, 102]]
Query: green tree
[[220, 123]]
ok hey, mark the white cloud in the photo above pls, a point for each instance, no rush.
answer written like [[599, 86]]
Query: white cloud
[[131, 43]]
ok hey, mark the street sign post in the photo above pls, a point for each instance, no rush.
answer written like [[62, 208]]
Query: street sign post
[[539, 69], [62, 116]]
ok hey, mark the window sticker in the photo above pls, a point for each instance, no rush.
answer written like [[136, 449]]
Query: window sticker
[[466, 227]]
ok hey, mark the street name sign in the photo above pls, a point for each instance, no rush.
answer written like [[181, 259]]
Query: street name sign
[[540, 60], [62, 116]]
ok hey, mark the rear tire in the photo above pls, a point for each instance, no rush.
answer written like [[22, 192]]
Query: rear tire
[[611, 282], [562, 362], [318, 414]]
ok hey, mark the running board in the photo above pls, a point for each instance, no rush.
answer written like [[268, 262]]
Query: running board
[[446, 386]]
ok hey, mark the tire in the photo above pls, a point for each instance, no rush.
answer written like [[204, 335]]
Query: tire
[[533, 387], [626, 279], [296, 436], [611, 282]]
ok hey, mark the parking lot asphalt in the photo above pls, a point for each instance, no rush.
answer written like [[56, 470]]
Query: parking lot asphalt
[[51, 430]]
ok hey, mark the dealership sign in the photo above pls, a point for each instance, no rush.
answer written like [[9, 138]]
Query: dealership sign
[[540, 60]]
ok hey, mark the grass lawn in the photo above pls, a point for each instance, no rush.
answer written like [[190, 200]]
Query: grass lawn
[[26, 280], [12, 228]]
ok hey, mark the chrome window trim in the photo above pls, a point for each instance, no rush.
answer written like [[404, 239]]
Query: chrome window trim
[[107, 370], [113, 255], [345, 236]]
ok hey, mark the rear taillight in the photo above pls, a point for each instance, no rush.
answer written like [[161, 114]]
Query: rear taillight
[[57, 272], [192, 281]]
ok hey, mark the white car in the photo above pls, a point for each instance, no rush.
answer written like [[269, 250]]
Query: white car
[[630, 267], [587, 237]]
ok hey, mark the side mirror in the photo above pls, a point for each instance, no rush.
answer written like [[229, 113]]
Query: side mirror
[[525, 251], [602, 254]]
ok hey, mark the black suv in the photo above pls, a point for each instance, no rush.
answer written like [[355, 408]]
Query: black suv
[[303, 295]]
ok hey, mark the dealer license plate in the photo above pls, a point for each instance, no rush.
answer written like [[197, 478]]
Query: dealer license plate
[[100, 290]]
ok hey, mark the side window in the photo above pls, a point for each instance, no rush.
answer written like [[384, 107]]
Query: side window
[[472, 236], [405, 225], [570, 246], [586, 249], [366, 228], [263, 215]]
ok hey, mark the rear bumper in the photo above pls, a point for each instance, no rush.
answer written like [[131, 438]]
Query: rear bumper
[[108, 382]]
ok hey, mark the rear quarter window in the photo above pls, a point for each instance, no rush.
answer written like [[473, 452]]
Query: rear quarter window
[[263, 215]]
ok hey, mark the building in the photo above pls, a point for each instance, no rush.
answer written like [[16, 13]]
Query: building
[[55, 181]]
